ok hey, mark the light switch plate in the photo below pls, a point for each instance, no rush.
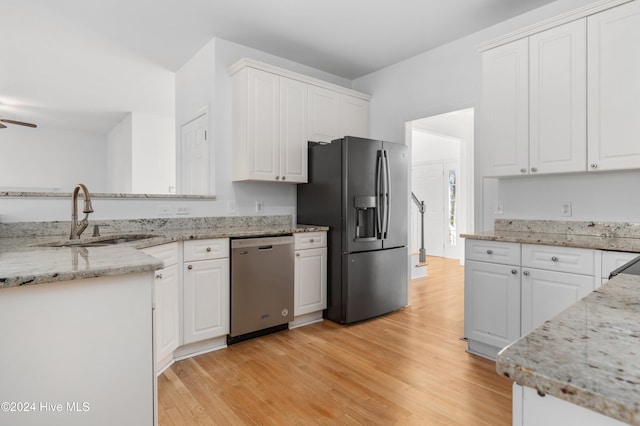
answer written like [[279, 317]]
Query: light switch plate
[[499, 208], [231, 206], [259, 206], [164, 210]]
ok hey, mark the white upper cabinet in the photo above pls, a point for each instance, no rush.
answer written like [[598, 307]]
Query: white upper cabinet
[[276, 112], [324, 114], [558, 99], [354, 116], [614, 88], [505, 113]]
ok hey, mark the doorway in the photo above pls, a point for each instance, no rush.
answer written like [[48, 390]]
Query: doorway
[[193, 156], [442, 177]]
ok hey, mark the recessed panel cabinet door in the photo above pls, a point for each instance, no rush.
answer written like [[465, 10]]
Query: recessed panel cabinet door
[[310, 280], [263, 124], [206, 299], [614, 88], [505, 109], [293, 131], [354, 116], [324, 114], [558, 99], [167, 312], [491, 303]]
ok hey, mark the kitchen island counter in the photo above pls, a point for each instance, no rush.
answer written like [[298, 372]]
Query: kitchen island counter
[[588, 355]]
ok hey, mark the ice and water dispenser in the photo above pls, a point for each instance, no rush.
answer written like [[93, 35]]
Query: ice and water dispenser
[[365, 206]]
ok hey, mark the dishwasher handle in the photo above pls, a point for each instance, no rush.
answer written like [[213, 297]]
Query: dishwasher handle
[[264, 248]]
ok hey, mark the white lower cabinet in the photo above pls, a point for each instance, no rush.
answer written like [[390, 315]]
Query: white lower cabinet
[[310, 277], [492, 305], [167, 304], [531, 409], [510, 289], [206, 291]]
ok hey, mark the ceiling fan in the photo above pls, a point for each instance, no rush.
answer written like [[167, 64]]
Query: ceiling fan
[[19, 123]]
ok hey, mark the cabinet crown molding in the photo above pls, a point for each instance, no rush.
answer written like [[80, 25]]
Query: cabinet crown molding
[[555, 21], [246, 62]]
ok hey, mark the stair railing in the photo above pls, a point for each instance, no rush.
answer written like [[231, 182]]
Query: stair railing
[[422, 254]]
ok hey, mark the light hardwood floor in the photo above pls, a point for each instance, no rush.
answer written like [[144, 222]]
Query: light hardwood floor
[[405, 368]]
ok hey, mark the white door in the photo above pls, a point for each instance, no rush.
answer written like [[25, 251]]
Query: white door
[[194, 157], [450, 224], [310, 280], [293, 131], [167, 312]]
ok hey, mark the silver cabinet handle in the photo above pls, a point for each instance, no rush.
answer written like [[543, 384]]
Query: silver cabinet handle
[[159, 276], [594, 166], [523, 170], [190, 267], [534, 169], [311, 240], [277, 177], [554, 259], [208, 249], [525, 273], [284, 177], [514, 271], [489, 251], [298, 254]]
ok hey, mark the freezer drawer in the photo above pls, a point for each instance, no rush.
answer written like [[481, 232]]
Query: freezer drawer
[[375, 283]]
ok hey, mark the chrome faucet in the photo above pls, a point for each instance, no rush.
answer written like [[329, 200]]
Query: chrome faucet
[[78, 227]]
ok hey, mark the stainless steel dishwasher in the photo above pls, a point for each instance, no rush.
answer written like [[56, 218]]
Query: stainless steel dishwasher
[[261, 286]]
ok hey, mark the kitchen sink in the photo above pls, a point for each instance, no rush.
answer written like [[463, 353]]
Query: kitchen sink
[[106, 241]]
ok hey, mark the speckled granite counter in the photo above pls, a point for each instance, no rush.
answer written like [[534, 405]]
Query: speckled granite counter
[[591, 235], [23, 260], [588, 355]]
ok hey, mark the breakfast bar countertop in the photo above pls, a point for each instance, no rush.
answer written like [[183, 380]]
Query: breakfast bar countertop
[[25, 259], [589, 354]]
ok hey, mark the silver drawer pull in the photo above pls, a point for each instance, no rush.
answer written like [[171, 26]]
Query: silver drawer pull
[[525, 273], [208, 248], [554, 259], [514, 271], [489, 251], [190, 267], [311, 240], [298, 254]]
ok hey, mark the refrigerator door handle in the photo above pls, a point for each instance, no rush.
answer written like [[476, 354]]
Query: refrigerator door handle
[[387, 193], [379, 195]]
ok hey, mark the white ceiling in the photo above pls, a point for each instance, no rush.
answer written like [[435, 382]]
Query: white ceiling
[[348, 38], [79, 63]]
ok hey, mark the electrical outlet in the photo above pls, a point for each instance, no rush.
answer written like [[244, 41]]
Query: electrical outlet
[[231, 206], [259, 206], [182, 210], [565, 209], [499, 208], [164, 210]]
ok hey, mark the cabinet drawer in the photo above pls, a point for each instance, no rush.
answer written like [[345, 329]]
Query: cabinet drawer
[[206, 249], [615, 259], [493, 251], [168, 253], [308, 240], [561, 259]]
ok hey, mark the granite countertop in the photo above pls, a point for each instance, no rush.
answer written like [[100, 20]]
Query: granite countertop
[[24, 260], [589, 354], [581, 234]]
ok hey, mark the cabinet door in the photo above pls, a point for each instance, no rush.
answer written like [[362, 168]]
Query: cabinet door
[[558, 99], [263, 155], [206, 299], [505, 112], [324, 114], [614, 88], [310, 272], [547, 293], [354, 116], [293, 131], [167, 325], [491, 303]]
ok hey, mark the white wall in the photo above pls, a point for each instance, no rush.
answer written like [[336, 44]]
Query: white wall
[[119, 157], [67, 157], [153, 154], [427, 147], [447, 79]]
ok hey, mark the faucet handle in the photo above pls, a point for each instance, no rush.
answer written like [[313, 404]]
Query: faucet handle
[[96, 230]]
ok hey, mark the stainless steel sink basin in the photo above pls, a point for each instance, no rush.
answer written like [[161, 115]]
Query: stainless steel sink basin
[[98, 242]]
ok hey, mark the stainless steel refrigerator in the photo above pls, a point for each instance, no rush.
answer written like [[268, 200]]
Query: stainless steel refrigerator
[[358, 187]]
